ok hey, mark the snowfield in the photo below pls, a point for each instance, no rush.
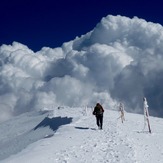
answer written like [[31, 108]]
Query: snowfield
[[70, 135]]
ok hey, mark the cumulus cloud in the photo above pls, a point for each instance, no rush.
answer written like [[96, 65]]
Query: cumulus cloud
[[119, 60]]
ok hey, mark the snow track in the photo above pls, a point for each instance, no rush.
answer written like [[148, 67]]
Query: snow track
[[101, 146]]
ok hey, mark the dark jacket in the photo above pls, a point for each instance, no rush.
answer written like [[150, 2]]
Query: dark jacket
[[98, 110]]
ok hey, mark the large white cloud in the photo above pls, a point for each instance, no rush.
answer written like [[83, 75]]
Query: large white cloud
[[119, 60]]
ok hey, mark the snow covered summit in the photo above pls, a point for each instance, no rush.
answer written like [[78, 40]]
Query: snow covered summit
[[74, 137]]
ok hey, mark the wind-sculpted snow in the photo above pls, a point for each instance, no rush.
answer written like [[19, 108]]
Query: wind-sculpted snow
[[119, 60], [15, 136]]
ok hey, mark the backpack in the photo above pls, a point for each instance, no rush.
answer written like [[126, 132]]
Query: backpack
[[98, 110]]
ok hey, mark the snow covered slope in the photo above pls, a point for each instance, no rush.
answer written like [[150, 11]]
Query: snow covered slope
[[70, 135]]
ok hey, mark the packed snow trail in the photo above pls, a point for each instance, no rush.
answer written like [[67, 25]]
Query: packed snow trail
[[81, 141], [95, 145]]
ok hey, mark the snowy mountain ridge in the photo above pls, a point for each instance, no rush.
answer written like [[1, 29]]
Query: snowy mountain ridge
[[70, 135]]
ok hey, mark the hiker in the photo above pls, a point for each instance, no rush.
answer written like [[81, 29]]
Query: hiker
[[121, 109], [98, 112]]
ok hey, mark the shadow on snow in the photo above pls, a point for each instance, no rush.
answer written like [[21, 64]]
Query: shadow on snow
[[53, 123], [45, 129], [82, 128]]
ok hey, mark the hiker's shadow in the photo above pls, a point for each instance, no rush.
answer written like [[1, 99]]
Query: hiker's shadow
[[85, 128], [82, 128]]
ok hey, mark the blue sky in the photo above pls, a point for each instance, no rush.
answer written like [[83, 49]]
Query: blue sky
[[51, 23]]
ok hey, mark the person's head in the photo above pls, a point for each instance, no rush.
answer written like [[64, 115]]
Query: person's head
[[97, 104]]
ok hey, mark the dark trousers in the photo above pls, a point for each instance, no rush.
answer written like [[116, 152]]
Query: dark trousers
[[99, 120]]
